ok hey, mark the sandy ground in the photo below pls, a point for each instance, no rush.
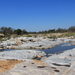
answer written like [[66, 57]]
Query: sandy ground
[[40, 63], [8, 64]]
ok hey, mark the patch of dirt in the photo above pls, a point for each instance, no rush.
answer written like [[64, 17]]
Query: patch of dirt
[[39, 62], [6, 65]]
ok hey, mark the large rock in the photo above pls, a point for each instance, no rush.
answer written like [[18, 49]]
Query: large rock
[[21, 54], [65, 58], [1, 35]]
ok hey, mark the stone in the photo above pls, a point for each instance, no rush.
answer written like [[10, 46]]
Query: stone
[[21, 54], [26, 68]]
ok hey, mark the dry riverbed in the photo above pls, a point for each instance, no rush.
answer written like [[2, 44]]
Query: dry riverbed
[[61, 64], [23, 63]]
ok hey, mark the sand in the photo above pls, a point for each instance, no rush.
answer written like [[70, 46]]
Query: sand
[[39, 62], [6, 65]]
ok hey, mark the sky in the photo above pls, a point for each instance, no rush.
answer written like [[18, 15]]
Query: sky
[[37, 15]]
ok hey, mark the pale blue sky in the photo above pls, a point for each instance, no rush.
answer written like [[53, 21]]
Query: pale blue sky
[[37, 15]]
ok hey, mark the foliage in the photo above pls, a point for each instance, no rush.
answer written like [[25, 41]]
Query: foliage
[[2, 39], [6, 30], [9, 31], [18, 31], [23, 31], [61, 30], [71, 29], [52, 36]]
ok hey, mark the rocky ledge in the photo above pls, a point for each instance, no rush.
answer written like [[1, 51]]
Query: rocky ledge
[[21, 54], [33, 43]]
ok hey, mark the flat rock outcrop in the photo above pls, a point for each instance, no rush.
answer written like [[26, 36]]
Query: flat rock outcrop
[[21, 54], [34, 43], [65, 62], [31, 68], [60, 64]]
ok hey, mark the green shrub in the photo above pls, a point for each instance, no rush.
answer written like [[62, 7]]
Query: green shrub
[[2, 39], [52, 37], [29, 36]]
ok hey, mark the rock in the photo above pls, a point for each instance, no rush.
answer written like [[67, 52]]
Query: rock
[[13, 47], [21, 54], [67, 45], [34, 43], [1, 35], [31, 43], [18, 42], [61, 64], [27, 68], [2, 47], [73, 43]]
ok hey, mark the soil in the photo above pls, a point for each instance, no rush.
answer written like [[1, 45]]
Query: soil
[[6, 65]]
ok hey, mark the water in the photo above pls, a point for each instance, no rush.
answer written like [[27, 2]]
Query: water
[[59, 49], [54, 50]]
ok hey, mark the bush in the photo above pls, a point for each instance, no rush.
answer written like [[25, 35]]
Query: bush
[[29, 36]]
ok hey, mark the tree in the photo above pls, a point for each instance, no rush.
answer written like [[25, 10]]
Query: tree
[[6, 30], [18, 31], [24, 31], [51, 31], [72, 28], [60, 30]]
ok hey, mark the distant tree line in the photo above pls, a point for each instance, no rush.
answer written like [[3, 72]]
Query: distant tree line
[[59, 30], [9, 31]]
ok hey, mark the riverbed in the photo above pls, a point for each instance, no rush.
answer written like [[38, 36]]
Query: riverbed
[[49, 67]]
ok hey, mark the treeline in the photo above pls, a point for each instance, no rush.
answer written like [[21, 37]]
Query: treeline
[[59, 30], [9, 31]]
